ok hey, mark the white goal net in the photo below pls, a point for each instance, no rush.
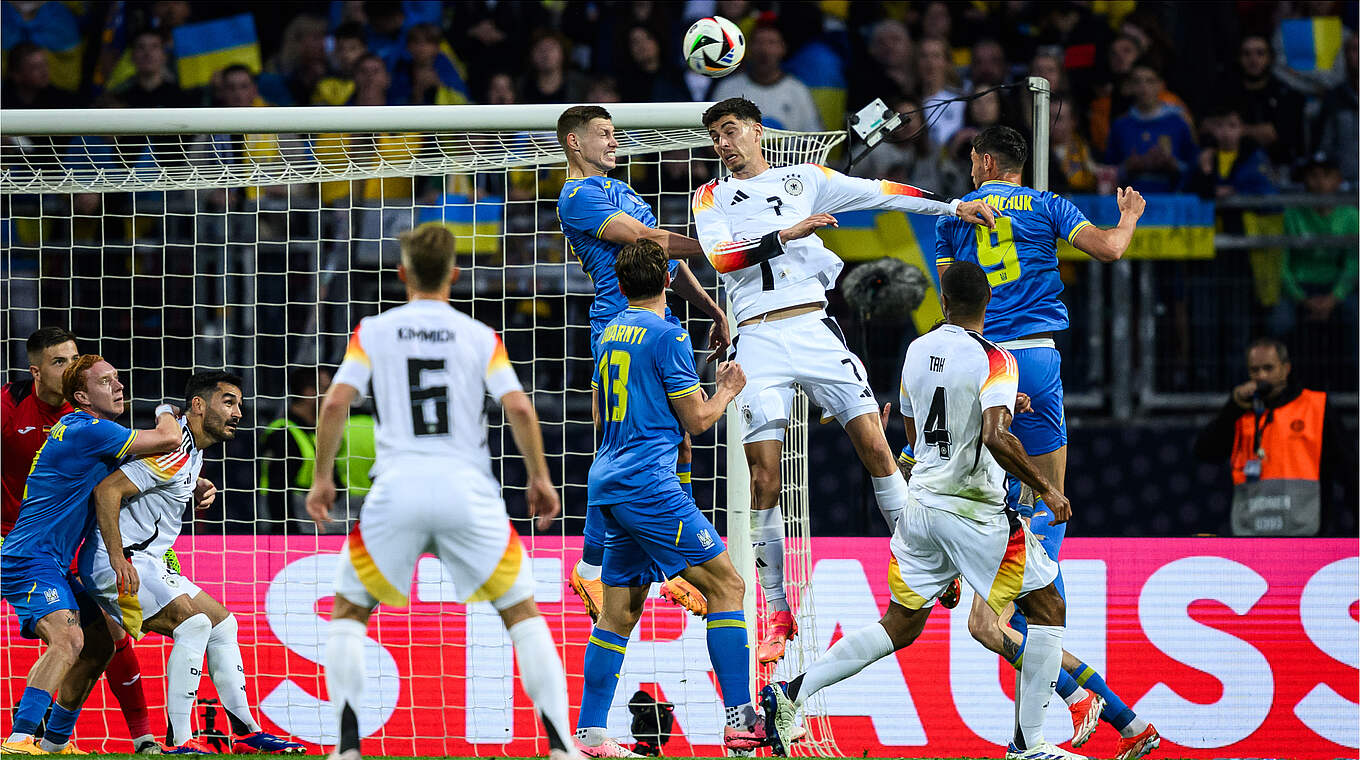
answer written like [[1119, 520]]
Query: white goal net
[[252, 240]]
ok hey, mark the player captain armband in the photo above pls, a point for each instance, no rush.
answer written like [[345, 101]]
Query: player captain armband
[[739, 254]]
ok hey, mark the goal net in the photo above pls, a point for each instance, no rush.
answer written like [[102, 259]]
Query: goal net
[[254, 240]]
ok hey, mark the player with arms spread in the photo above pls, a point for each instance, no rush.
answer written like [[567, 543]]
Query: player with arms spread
[[140, 511], [648, 396], [757, 228], [55, 516], [957, 401], [431, 368], [599, 215], [1021, 261]]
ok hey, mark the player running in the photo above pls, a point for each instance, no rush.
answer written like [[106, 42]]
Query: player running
[[647, 394], [599, 215], [30, 408], [35, 577], [1021, 261], [140, 508], [958, 397], [431, 368], [757, 228]]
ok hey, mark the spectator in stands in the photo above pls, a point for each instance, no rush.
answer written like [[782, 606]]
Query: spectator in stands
[[500, 89], [300, 63], [939, 85], [386, 27], [1231, 163], [234, 87], [1151, 144], [1337, 123], [337, 87], [153, 86], [784, 101], [1111, 96], [1072, 167], [981, 112], [53, 26], [1287, 447], [1076, 35], [988, 66], [371, 82], [907, 154], [1319, 282], [548, 79], [428, 75], [643, 78], [29, 81], [490, 37], [888, 72], [1272, 112], [604, 89]]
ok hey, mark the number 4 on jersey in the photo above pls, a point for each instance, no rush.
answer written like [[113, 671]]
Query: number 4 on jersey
[[936, 431]]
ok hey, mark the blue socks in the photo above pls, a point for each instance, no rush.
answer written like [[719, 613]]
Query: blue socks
[[1116, 713], [683, 471], [727, 649], [32, 707], [603, 662], [60, 724]]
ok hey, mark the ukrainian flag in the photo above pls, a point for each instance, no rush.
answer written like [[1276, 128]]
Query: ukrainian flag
[[1311, 44], [822, 70], [54, 27], [476, 225], [202, 50], [870, 235], [1173, 226]]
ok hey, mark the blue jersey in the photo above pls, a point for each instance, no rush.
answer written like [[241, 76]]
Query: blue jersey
[[80, 451], [643, 361], [585, 207], [1020, 256]]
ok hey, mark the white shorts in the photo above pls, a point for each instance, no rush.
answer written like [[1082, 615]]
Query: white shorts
[[1000, 558], [423, 506], [808, 350], [158, 586]]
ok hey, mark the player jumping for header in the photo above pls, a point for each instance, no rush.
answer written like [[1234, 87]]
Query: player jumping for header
[[599, 215], [756, 227], [1021, 260]]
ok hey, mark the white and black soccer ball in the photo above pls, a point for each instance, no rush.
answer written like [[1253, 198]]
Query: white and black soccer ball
[[714, 47]]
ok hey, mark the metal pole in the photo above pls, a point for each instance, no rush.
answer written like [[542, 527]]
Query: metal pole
[[1121, 337], [1041, 90]]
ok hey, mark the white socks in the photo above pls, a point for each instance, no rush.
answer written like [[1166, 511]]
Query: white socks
[[183, 671], [587, 571], [1038, 676], [228, 674], [540, 671], [345, 677], [891, 494], [1076, 696], [850, 655], [767, 542]]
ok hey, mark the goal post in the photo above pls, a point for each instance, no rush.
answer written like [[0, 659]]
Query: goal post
[[253, 240]]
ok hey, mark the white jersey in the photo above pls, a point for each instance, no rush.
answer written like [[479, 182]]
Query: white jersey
[[431, 367], [950, 376], [153, 519], [738, 223]]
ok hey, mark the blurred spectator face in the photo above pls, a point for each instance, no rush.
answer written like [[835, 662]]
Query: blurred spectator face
[[911, 122], [986, 110], [1227, 130], [238, 89], [371, 75], [148, 54], [1264, 366], [733, 10], [767, 49], [1123, 52], [1145, 86], [348, 51], [890, 44], [644, 49], [935, 22], [547, 55], [306, 36], [500, 90], [1138, 34], [603, 90], [932, 60], [989, 63], [1322, 179], [1048, 67], [31, 72], [1254, 57], [423, 44], [1064, 124], [170, 13], [386, 19]]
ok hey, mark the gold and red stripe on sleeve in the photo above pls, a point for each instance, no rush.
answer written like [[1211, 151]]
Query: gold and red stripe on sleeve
[[897, 188], [499, 358], [703, 197], [165, 466], [1001, 367], [739, 254], [356, 351]]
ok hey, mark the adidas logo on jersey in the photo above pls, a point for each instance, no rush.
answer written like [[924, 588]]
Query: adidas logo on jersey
[[738, 198]]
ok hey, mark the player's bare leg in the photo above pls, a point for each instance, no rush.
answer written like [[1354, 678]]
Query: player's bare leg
[[890, 490], [767, 543], [677, 590], [62, 634]]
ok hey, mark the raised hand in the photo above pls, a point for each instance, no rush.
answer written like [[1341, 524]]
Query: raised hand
[[807, 227]]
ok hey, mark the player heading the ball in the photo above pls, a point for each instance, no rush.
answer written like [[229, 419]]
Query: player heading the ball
[[756, 226]]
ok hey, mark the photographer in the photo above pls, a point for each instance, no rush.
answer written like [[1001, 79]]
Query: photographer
[[1286, 447]]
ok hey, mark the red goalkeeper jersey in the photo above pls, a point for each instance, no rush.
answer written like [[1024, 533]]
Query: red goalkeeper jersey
[[24, 422]]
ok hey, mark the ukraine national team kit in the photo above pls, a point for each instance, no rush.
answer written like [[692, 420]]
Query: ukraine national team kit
[[644, 362], [35, 560]]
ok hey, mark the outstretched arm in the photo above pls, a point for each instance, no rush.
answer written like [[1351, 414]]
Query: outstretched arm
[[841, 193], [624, 229], [687, 287], [1109, 245]]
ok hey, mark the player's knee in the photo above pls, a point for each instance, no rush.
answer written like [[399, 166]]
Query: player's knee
[[982, 627], [65, 644], [765, 485], [727, 592]]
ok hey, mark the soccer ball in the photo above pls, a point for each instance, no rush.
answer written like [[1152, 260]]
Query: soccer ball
[[714, 47]]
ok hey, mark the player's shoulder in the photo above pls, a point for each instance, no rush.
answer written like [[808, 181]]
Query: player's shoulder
[[576, 190], [705, 195], [15, 392]]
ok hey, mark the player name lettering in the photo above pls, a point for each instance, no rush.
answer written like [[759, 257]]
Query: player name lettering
[[937, 364], [431, 336], [1013, 203], [623, 334]]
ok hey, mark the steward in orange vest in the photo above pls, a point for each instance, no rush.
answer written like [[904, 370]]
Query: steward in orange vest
[[1285, 445]]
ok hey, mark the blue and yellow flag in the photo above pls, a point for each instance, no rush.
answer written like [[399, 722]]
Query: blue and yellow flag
[[203, 49], [475, 225], [1174, 226], [1311, 44], [54, 27]]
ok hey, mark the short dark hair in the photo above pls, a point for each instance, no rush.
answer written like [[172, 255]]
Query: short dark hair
[[1266, 341], [641, 269], [576, 117], [204, 384], [44, 338], [1005, 145], [238, 68], [739, 107], [1150, 61], [965, 286], [302, 378]]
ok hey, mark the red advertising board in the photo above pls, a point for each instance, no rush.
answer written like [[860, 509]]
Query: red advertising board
[[1231, 647]]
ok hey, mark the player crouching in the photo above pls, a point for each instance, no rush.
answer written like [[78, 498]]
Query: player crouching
[[140, 508]]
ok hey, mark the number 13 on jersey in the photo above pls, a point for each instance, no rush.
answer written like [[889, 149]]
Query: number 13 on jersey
[[613, 375], [996, 248]]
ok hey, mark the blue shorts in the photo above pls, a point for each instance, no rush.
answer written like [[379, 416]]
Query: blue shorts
[[594, 544], [597, 326], [1043, 429], [667, 534], [39, 586]]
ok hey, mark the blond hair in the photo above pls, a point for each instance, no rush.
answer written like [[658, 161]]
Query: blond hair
[[427, 252]]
